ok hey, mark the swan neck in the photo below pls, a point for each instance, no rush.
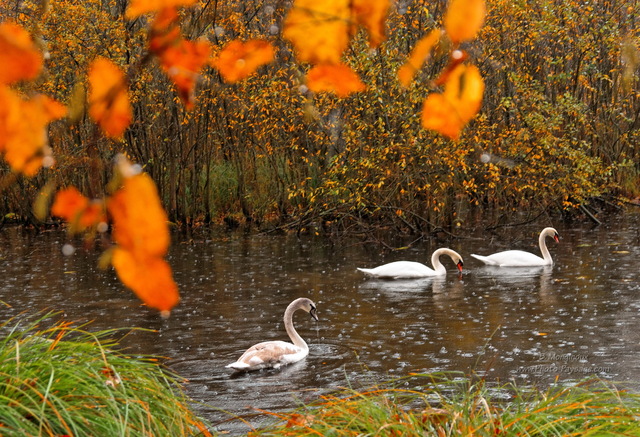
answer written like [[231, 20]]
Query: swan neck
[[435, 261], [291, 331], [543, 247]]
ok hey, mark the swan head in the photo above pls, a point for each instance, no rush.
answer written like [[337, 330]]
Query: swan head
[[455, 257], [313, 312], [306, 305], [551, 232]]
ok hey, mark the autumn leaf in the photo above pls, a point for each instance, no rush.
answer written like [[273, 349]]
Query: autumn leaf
[[419, 55], [464, 18], [299, 420], [77, 210], [318, 29], [164, 31], [109, 98], [69, 203], [239, 60], [371, 14], [141, 232], [150, 278], [449, 112], [23, 130], [182, 63], [19, 57], [139, 7], [140, 223], [338, 79]]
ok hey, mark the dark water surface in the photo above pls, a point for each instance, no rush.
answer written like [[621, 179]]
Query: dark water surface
[[575, 319]]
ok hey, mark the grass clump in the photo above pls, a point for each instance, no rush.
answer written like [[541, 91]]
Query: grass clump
[[449, 405], [61, 380]]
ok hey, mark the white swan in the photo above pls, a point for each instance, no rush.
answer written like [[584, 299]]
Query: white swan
[[273, 354], [413, 270], [519, 258]]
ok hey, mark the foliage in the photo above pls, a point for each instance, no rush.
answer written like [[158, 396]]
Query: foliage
[[557, 126], [454, 405], [59, 379]]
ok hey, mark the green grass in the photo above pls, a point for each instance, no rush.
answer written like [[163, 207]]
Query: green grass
[[61, 380], [451, 405]]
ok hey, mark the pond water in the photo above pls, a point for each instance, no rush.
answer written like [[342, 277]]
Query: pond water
[[575, 319]]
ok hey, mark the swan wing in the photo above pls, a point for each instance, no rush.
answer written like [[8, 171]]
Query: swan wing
[[400, 270], [512, 258], [269, 354]]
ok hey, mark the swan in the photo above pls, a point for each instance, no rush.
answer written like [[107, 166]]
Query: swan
[[412, 270], [519, 258], [273, 354]]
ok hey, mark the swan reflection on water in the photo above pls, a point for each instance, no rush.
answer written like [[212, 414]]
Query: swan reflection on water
[[405, 286], [513, 274]]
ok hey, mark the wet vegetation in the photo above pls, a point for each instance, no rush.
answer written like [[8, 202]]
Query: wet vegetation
[[58, 379], [450, 404]]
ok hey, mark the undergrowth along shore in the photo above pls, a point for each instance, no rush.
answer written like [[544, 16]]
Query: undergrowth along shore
[[57, 379], [455, 405]]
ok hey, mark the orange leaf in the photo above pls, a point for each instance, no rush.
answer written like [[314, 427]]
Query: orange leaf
[[164, 31], [77, 210], [141, 232], [457, 57], [419, 55], [238, 60], [139, 7], [448, 112], [339, 79], [23, 130], [19, 57], [109, 98], [464, 18], [68, 203], [372, 15], [182, 63], [150, 278], [318, 29], [140, 223]]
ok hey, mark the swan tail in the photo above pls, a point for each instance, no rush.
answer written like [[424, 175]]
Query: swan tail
[[238, 366], [488, 261], [365, 271]]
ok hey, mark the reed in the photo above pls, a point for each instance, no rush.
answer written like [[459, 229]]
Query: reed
[[453, 405], [57, 379]]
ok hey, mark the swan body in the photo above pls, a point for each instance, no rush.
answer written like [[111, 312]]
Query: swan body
[[273, 354], [412, 269], [519, 258]]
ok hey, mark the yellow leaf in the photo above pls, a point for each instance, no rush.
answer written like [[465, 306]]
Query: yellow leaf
[[464, 18], [450, 111], [419, 55], [339, 79], [318, 29], [239, 60], [19, 57], [109, 98]]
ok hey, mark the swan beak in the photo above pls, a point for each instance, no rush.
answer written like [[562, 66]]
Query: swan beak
[[314, 313], [459, 265], [557, 238]]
